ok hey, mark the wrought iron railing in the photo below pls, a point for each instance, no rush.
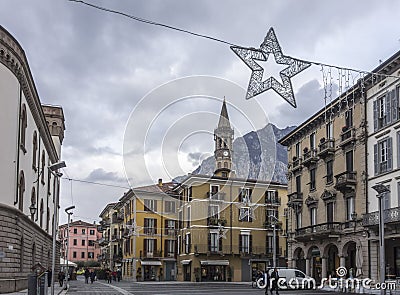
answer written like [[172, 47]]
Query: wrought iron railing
[[273, 200], [319, 228], [219, 196], [326, 145], [348, 134], [346, 177], [390, 215], [309, 154]]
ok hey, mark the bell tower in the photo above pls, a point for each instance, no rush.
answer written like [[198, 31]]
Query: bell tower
[[223, 137]]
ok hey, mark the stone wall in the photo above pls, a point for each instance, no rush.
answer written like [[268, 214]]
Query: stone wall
[[22, 244]]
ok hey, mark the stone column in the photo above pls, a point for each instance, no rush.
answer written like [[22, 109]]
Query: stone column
[[308, 268], [342, 261], [323, 265]]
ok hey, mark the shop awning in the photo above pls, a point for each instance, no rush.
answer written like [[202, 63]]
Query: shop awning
[[150, 262], [186, 261], [214, 262]]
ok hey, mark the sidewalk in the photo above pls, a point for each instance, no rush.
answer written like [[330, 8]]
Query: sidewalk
[[57, 290]]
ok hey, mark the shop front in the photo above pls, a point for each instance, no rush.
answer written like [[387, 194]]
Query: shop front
[[151, 270], [214, 270]]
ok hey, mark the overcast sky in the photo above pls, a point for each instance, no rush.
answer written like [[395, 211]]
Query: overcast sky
[[98, 66]]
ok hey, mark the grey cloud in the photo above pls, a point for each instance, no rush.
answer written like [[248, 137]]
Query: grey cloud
[[100, 175]]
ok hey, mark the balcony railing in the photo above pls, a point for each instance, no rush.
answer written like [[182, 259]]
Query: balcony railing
[[296, 197], [346, 180], [310, 157], [273, 200], [150, 231], [296, 164], [150, 254], [319, 229], [326, 148], [215, 221], [347, 136], [219, 196], [103, 241], [390, 215]]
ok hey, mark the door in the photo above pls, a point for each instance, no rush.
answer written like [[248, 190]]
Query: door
[[187, 273]]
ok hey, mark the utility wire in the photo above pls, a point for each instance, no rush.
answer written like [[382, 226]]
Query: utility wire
[[150, 22], [95, 183]]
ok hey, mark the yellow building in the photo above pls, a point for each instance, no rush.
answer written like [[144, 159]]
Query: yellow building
[[226, 224], [149, 247]]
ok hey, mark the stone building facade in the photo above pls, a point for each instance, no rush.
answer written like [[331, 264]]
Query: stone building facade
[[28, 189]]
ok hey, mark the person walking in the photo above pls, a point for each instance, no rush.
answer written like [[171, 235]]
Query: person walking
[[87, 275], [266, 281], [49, 275], [119, 274], [275, 278], [61, 278], [92, 276], [109, 276]]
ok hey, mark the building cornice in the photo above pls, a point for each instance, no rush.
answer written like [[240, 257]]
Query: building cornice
[[13, 57]]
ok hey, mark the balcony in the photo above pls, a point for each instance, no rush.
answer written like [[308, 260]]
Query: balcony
[[150, 254], [103, 241], [320, 231], [214, 221], [150, 231], [326, 148], [270, 225], [211, 249], [105, 223], [347, 137], [310, 157], [120, 216], [270, 251], [219, 196], [296, 165], [391, 215], [275, 201], [295, 198], [346, 181], [115, 238]]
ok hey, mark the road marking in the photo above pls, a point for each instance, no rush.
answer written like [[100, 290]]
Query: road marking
[[120, 290]]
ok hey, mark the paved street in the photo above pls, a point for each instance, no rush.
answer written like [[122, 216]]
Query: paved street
[[170, 288]]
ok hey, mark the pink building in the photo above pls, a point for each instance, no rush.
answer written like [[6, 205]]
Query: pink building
[[83, 238]]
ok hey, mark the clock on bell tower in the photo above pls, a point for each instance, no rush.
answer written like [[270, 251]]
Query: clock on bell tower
[[223, 137]]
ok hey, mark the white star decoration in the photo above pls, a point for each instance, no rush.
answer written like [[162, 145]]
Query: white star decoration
[[256, 85], [222, 232], [134, 229], [248, 205]]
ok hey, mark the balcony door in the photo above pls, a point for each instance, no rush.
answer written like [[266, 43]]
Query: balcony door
[[329, 212], [349, 161]]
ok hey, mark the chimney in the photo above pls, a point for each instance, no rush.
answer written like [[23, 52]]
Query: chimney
[[160, 182]]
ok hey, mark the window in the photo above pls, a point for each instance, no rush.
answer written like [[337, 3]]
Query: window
[[74, 254], [297, 150], [21, 190], [329, 212], [398, 195], [190, 194], [214, 191], [312, 179], [170, 207], [43, 163], [75, 230], [386, 109], [150, 205], [313, 216], [386, 199], [349, 161], [187, 243], [170, 248], [170, 227], [245, 194], [91, 243], [91, 232], [188, 216], [298, 184], [34, 150], [83, 242], [82, 254], [383, 158], [150, 226], [91, 255], [271, 197], [83, 231], [75, 242], [245, 243], [213, 211], [33, 200], [24, 124], [149, 247], [312, 141], [329, 130], [349, 207], [41, 213], [298, 219], [349, 118], [329, 171], [245, 214], [213, 242]]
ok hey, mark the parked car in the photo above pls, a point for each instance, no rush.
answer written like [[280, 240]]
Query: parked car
[[296, 278], [80, 271]]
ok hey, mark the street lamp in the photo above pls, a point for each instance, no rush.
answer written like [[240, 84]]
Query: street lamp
[[275, 221], [382, 190], [53, 170], [32, 209], [69, 218]]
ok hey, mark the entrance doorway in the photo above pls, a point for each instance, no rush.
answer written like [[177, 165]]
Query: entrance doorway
[[213, 273], [187, 270]]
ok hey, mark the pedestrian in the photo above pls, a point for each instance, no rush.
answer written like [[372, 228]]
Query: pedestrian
[[87, 275], [109, 276], [275, 278], [92, 276], [61, 278], [119, 274], [114, 275], [266, 281], [49, 275]]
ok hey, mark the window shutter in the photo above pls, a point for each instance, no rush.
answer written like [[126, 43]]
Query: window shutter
[[240, 243], [395, 105], [390, 156], [209, 242], [155, 246], [166, 250], [375, 115], [376, 170], [250, 244], [155, 226], [165, 227], [220, 244], [388, 108]]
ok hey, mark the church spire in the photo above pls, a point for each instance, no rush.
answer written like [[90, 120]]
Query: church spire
[[223, 137]]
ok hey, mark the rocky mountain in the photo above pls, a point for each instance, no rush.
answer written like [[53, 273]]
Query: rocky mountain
[[256, 155]]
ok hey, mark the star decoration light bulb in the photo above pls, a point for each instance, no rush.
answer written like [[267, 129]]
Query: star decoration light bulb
[[256, 85], [134, 229], [222, 232]]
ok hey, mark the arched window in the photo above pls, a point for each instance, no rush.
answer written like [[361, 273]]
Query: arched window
[[225, 164], [23, 125], [34, 151], [41, 213], [219, 165], [21, 190], [33, 200], [43, 163]]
